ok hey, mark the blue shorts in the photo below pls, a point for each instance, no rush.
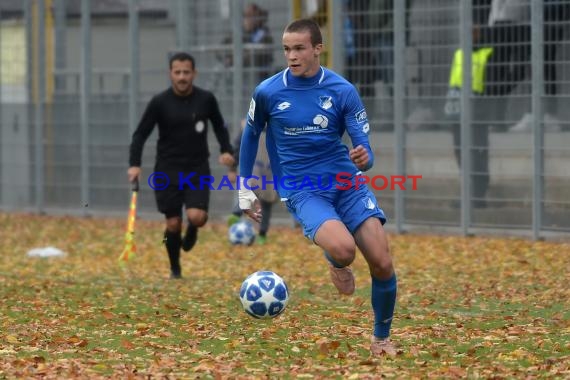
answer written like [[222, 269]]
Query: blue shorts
[[352, 207]]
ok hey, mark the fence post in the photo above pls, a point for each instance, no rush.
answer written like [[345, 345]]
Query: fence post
[[466, 39], [337, 36], [85, 98], [537, 83], [237, 80], [39, 98], [59, 45], [183, 25], [399, 95], [134, 76]]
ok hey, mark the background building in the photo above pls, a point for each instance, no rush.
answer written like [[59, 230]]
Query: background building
[[76, 74]]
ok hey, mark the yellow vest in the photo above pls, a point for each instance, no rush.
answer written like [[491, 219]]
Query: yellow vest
[[479, 59]]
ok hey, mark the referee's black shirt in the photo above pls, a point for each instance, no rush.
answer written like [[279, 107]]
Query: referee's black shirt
[[182, 129]]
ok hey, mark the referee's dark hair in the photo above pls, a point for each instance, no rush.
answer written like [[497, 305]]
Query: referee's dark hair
[[181, 56]]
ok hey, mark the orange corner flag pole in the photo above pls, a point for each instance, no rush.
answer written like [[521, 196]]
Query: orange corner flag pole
[[130, 247]]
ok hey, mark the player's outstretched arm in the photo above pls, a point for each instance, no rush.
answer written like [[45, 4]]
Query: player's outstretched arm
[[254, 210], [248, 201]]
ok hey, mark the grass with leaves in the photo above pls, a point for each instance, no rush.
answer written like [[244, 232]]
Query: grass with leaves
[[467, 307]]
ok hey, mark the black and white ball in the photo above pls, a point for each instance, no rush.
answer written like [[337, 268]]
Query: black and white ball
[[264, 295]]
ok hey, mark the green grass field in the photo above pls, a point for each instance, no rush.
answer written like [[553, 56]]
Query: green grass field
[[467, 307]]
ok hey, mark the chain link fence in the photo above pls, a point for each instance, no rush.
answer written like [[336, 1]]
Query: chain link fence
[[76, 75]]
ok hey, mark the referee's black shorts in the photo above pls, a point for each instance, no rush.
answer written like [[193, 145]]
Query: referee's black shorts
[[184, 190]]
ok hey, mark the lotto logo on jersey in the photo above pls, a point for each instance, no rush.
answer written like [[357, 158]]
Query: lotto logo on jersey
[[361, 116], [283, 106], [251, 111]]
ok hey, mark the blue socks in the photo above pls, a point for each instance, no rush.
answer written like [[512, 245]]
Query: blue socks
[[383, 303]]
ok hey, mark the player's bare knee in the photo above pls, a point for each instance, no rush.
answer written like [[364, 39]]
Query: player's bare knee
[[344, 254], [382, 268]]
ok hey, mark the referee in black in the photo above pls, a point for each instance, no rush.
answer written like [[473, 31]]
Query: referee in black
[[181, 113]]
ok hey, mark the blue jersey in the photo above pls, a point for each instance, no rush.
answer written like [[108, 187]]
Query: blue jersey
[[305, 120]]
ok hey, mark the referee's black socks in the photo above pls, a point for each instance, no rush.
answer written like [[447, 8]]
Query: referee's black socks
[[190, 237], [173, 241]]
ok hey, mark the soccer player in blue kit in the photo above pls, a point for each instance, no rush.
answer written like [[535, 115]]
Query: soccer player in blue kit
[[306, 109]]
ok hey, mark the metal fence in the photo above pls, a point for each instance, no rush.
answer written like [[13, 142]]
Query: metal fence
[[77, 74]]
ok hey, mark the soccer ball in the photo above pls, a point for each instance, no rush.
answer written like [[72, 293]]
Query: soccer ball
[[241, 232], [264, 295]]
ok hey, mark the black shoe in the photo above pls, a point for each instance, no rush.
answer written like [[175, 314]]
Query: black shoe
[[175, 275], [190, 238]]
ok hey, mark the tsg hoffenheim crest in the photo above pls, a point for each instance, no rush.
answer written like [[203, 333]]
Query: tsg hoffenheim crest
[[325, 102]]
